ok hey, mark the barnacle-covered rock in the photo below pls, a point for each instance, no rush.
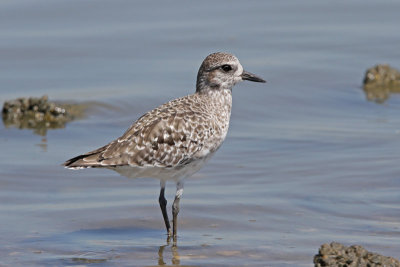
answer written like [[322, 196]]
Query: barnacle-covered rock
[[380, 81], [338, 255], [39, 114]]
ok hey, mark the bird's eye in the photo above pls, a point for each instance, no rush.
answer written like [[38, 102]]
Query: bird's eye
[[226, 67]]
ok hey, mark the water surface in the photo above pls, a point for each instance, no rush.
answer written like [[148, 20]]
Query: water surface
[[308, 160]]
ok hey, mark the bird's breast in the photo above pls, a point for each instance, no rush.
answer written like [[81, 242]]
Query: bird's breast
[[219, 107]]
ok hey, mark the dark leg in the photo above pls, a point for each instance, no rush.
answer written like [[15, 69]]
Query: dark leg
[[175, 207], [163, 206]]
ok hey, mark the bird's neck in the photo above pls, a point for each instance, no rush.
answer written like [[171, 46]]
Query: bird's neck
[[223, 96], [219, 101], [204, 86]]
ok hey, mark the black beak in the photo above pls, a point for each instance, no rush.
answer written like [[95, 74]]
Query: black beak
[[251, 77]]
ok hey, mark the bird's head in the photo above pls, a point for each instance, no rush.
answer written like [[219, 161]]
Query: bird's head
[[221, 71]]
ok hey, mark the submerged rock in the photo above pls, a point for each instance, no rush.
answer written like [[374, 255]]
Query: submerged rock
[[338, 255], [380, 81], [39, 114]]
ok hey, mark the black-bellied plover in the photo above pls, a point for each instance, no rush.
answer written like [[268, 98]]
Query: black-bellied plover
[[174, 140]]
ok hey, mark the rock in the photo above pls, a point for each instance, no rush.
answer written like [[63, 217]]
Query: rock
[[380, 81], [39, 114], [338, 255]]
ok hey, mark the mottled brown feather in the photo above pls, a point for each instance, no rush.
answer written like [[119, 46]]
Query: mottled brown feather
[[167, 136]]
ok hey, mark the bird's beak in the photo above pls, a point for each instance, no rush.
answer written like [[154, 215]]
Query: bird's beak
[[251, 77]]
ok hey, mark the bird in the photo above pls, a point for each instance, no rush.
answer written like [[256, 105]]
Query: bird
[[174, 140]]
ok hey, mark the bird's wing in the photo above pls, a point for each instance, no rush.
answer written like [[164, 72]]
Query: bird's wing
[[167, 136]]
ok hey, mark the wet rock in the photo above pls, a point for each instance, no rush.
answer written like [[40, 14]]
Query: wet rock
[[39, 114], [338, 255], [380, 81], [89, 261]]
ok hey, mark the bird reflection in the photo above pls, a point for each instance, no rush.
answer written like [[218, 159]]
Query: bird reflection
[[174, 249], [169, 247]]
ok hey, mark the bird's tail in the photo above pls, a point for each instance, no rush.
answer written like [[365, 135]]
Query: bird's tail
[[88, 160]]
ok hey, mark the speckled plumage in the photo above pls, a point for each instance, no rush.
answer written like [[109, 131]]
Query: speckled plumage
[[174, 134], [174, 140]]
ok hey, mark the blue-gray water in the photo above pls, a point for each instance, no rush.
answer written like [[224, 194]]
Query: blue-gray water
[[308, 160]]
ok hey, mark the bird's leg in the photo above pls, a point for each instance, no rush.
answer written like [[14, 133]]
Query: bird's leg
[[175, 207], [163, 206]]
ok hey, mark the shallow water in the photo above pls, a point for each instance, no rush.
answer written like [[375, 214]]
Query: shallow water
[[308, 160]]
